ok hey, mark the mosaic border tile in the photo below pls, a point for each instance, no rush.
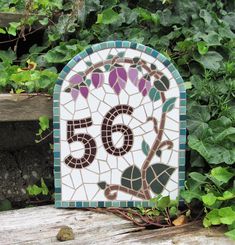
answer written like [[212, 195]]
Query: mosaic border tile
[[56, 131]]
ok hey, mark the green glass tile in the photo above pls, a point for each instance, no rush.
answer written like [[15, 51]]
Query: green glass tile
[[182, 102], [86, 204], [182, 154], [62, 75], [56, 118], [175, 74], [57, 88], [57, 147], [83, 54], [56, 96], [58, 204], [56, 133], [118, 44], [179, 80], [96, 47], [145, 204], [72, 204], [71, 63], [181, 175], [182, 161], [56, 103], [182, 87], [183, 110], [140, 47], [56, 175], [161, 58], [125, 44], [182, 139], [171, 68], [116, 204], [108, 204], [57, 196], [56, 111], [65, 204], [111, 44], [93, 204], [103, 45], [183, 124], [123, 204], [148, 50], [138, 204], [57, 183]]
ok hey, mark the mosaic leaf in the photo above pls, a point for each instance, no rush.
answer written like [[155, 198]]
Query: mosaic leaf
[[145, 147], [162, 84], [102, 185], [97, 78], [76, 79], [144, 85], [159, 153], [169, 104], [154, 94], [117, 78], [121, 54], [153, 67], [133, 74], [107, 67], [136, 60], [158, 175], [131, 178]]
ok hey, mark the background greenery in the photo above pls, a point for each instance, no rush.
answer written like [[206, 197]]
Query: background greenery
[[199, 38]]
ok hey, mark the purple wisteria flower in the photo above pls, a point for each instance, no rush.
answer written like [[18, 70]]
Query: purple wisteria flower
[[144, 85], [133, 74], [117, 78], [97, 78]]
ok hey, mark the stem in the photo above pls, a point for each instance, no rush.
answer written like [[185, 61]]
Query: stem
[[113, 196], [152, 151]]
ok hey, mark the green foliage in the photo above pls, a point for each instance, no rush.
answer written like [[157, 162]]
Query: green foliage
[[35, 190]]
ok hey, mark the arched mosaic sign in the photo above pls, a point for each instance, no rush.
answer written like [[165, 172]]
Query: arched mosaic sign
[[119, 127]]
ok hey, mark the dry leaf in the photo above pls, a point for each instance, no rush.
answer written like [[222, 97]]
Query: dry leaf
[[181, 220]]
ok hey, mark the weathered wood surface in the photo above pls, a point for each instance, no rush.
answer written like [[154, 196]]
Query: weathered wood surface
[[40, 225], [6, 18], [24, 107]]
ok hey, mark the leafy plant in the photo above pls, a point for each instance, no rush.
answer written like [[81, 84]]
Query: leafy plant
[[35, 190]]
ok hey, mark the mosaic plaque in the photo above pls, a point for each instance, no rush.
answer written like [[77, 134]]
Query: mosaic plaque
[[119, 127]]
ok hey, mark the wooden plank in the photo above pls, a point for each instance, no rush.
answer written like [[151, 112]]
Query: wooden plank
[[24, 107], [6, 18], [40, 225]]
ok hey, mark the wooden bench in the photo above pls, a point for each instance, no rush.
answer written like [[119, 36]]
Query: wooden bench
[[39, 225]]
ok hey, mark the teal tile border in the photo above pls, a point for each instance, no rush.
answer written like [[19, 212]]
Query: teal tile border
[[56, 116]]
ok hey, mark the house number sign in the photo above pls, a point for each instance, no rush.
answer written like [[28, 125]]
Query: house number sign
[[119, 127]]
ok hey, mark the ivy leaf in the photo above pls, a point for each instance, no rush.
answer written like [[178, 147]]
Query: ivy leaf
[[44, 122], [212, 218], [154, 94], [145, 147], [108, 16], [131, 178], [198, 177], [209, 199], [13, 28], [211, 60], [227, 215], [2, 31], [202, 47], [44, 188], [169, 104], [163, 202], [158, 175], [222, 174], [231, 234], [162, 84]]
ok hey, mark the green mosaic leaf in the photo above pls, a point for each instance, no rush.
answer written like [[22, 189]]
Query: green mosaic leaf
[[162, 84], [107, 67], [131, 178], [102, 185], [121, 54], [169, 104], [145, 147], [154, 95], [159, 153], [158, 175], [88, 63]]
